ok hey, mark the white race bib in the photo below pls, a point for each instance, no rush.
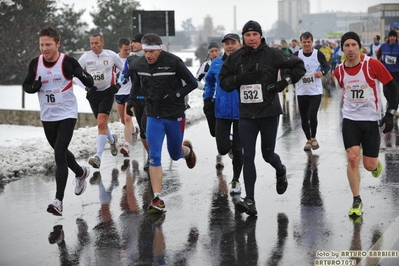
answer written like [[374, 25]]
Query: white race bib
[[308, 79], [357, 93], [53, 97], [99, 76], [251, 93], [390, 60]]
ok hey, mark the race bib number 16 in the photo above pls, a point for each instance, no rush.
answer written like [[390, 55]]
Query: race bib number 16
[[251, 93]]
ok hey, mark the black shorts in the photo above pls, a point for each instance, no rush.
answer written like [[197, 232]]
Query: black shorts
[[101, 102], [364, 133], [122, 98]]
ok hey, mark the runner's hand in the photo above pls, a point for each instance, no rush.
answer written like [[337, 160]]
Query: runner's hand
[[37, 84], [279, 86], [387, 120]]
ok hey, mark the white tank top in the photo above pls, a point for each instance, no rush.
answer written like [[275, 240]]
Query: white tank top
[[56, 97], [361, 94], [309, 84], [375, 49]]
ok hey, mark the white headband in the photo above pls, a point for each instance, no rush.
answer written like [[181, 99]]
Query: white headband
[[151, 47]]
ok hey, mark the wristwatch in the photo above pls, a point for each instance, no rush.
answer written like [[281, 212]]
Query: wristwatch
[[288, 79]]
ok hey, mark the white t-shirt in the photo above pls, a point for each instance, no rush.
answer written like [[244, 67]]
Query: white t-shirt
[[101, 67]]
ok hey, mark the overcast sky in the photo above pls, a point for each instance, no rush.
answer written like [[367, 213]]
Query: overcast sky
[[222, 11]]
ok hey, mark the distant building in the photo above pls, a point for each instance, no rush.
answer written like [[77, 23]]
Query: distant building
[[290, 11], [378, 20]]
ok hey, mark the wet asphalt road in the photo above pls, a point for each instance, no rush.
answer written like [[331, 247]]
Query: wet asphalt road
[[307, 224]]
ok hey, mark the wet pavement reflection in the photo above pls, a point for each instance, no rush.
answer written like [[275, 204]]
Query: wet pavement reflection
[[308, 225]]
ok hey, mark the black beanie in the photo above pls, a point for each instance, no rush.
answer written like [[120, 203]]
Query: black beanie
[[393, 33], [137, 37], [350, 35], [213, 45], [252, 26]]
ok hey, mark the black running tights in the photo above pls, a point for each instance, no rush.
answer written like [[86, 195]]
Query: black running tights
[[59, 135]]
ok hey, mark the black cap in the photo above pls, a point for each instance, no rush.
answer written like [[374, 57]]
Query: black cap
[[350, 35], [213, 45], [231, 36], [137, 37], [393, 33], [377, 37], [252, 26]]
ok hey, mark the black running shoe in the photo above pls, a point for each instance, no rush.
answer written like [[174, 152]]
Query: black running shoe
[[247, 206], [282, 183]]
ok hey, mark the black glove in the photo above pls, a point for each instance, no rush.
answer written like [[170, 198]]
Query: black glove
[[83, 76], [90, 92], [248, 77], [387, 120], [279, 86], [37, 84], [115, 88], [129, 107], [209, 106]]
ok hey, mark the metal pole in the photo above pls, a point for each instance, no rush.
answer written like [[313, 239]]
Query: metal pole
[[167, 29]]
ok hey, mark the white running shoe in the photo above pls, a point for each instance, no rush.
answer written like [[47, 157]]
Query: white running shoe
[[55, 207], [81, 183], [235, 187]]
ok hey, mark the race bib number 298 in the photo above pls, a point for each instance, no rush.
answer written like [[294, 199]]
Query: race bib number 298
[[251, 93]]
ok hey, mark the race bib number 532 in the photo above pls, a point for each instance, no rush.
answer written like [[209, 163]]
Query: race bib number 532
[[251, 93]]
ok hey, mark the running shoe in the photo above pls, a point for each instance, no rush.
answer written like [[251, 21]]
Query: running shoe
[[376, 172], [96, 178], [219, 162], [115, 175], [235, 187], [308, 146], [190, 158], [55, 207], [314, 144], [282, 183], [157, 205], [135, 133], [81, 184], [95, 162], [114, 149], [57, 236], [125, 150], [247, 206], [125, 165], [356, 208]]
